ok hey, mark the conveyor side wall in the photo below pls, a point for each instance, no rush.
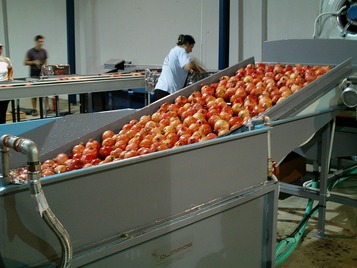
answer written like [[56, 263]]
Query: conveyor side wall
[[289, 134], [215, 236], [99, 203]]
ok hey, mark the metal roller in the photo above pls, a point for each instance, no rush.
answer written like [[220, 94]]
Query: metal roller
[[349, 93]]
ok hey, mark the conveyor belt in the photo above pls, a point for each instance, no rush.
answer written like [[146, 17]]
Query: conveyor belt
[[43, 88]]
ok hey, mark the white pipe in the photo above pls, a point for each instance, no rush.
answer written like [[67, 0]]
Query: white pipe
[[325, 14]]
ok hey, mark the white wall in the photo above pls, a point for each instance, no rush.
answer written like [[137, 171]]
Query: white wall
[[26, 19], [288, 19], [143, 31], [254, 33], [2, 34]]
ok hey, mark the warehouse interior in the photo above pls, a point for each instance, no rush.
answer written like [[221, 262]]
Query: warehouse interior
[[280, 190]]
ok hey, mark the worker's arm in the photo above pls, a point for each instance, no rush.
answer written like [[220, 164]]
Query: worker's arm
[[30, 62], [194, 67], [10, 73]]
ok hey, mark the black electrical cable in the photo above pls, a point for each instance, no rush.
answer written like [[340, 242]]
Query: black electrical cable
[[303, 221]]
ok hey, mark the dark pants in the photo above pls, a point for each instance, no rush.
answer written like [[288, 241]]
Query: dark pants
[[159, 94], [3, 109]]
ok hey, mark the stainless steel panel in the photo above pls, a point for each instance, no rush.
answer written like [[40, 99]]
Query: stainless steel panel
[[216, 235], [310, 51], [53, 136], [344, 143], [289, 134], [100, 203]]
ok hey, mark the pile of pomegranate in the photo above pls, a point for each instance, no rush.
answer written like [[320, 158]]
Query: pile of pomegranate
[[211, 111]]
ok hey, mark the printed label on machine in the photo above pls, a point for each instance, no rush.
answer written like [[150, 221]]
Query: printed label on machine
[[172, 251]]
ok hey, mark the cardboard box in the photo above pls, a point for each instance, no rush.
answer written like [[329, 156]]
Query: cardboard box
[[292, 168]]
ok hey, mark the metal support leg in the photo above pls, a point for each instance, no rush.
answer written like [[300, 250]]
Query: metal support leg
[[83, 103], [57, 108], [41, 106], [90, 103], [325, 164], [18, 110], [272, 198], [147, 98], [13, 111], [69, 107]]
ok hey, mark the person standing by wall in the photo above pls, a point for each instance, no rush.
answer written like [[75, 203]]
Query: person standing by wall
[[6, 73], [176, 67], [36, 57]]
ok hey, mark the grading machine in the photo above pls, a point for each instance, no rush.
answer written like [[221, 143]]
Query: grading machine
[[207, 204]]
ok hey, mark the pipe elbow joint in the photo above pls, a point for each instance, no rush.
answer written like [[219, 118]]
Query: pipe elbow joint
[[22, 145]]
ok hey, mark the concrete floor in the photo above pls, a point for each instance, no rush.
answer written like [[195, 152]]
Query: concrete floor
[[337, 248]]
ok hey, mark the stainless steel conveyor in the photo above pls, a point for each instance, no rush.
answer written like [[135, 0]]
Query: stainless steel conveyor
[[187, 206], [73, 84], [70, 84]]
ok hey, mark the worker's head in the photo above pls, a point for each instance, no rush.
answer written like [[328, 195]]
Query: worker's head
[[186, 41], [39, 39]]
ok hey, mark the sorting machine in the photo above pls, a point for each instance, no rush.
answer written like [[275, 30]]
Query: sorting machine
[[201, 205]]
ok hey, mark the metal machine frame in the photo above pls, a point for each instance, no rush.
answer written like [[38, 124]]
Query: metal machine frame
[[328, 141]]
